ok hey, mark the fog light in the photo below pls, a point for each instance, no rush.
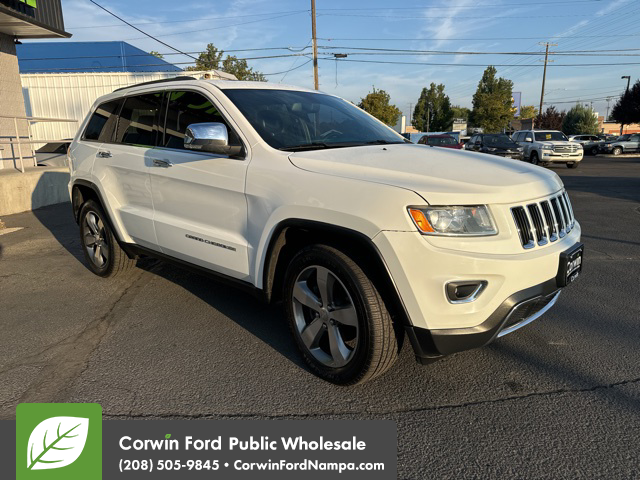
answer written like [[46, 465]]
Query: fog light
[[465, 291]]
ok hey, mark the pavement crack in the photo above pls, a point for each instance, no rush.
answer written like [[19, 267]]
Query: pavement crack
[[453, 406], [72, 356]]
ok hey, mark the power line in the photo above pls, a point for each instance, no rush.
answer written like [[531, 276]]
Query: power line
[[472, 39], [481, 64], [216, 28], [190, 20], [449, 7], [141, 31]]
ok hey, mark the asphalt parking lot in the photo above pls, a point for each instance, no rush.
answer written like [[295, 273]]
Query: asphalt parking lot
[[558, 399]]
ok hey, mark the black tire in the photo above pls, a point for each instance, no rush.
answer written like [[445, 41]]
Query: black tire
[[617, 151], [534, 159], [376, 348], [573, 165], [114, 260], [594, 151]]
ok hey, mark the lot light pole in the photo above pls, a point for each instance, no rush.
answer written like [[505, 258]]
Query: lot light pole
[[628, 77]]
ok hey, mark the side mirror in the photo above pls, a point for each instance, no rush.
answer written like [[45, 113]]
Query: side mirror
[[211, 137], [528, 139]]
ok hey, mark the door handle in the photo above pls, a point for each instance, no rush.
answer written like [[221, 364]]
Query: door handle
[[104, 154], [162, 163]]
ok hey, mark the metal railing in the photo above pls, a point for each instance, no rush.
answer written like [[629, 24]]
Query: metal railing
[[18, 139]]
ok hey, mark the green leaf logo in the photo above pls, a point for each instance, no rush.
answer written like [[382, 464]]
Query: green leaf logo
[[57, 442], [167, 436]]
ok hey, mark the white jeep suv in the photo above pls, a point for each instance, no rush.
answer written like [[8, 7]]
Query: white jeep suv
[[308, 200], [542, 147]]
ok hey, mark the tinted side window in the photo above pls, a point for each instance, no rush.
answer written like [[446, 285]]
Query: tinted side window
[[103, 122], [517, 137], [138, 123], [186, 108]]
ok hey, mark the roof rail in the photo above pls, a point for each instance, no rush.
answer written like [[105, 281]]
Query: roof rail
[[164, 80]]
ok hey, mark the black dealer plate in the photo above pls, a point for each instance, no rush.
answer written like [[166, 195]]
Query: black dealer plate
[[570, 265]]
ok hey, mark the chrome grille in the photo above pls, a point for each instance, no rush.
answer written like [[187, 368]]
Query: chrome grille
[[543, 222], [565, 148]]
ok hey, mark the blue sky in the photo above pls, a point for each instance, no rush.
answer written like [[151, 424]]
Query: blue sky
[[451, 25]]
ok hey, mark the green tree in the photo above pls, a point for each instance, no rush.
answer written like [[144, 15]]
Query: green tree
[[211, 59], [627, 108], [461, 112], [492, 102], [377, 104], [580, 119], [550, 119], [528, 111], [433, 112], [156, 54]]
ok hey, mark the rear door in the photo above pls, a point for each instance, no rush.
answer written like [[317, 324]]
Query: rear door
[[124, 166], [199, 201], [634, 143]]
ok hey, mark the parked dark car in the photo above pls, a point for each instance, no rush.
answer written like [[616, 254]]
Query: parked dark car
[[495, 144], [53, 154], [627, 143], [446, 141]]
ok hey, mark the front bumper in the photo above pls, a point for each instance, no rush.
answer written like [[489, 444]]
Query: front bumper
[[515, 312], [421, 267], [552, 157]]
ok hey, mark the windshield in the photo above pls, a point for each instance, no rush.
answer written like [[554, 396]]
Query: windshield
[[550, 137], [498, 140], [439, 141], [291, 120], [623, 138]]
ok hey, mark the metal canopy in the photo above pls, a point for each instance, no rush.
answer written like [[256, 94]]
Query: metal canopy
[[22, 26]]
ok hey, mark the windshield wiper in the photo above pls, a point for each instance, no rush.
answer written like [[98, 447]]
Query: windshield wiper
[[384, 142], [319, 145]]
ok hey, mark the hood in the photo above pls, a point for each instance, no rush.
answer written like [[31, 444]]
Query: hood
[[555, 142], [441, 176]]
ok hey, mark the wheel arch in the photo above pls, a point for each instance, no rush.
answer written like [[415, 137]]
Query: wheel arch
[[84, 190], [291, 235]]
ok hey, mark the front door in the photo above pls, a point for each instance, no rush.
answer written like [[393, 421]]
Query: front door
[[199, 201]]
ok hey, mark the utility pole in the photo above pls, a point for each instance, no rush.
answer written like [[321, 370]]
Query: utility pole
[[544, 75], [628, 77], [428, 115], [608, 100], [410, 117], [315, 44]]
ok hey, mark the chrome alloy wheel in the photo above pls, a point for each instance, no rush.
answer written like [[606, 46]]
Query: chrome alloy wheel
[[94, 237], [325, 316]]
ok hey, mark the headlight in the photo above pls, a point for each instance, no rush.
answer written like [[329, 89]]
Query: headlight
[[453, 220], [520, 149], [491, 149], [547, 147]]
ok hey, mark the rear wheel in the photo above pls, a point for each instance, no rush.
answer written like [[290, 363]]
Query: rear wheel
[[101, 250], [338, 318], [617, 151], [594, 150]]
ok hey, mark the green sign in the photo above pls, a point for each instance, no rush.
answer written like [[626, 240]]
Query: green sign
[[58, 441], [31, 3]]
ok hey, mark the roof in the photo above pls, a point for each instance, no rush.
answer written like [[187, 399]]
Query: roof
[[235, 84], [76, 57]]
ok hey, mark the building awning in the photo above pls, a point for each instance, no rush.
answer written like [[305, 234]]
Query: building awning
[[23, 26]]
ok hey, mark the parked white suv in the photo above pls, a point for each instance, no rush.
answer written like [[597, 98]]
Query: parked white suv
[[307, 199], [542, 147]]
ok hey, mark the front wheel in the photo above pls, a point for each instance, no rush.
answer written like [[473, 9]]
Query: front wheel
[[594, 150], [572, 165], [534, 158], [338, 318], [617, 151]]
